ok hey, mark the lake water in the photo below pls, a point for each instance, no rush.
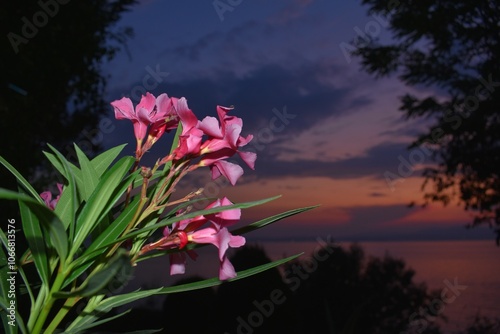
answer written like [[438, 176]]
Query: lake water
[[474, 264]]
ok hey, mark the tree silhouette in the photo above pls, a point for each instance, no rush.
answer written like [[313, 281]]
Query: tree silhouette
[[453, 47], [248, 305], [348, 293], [51, 83]]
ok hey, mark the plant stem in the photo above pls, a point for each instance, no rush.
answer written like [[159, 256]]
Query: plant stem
[[70, 302], [38, 326], [35, 308]]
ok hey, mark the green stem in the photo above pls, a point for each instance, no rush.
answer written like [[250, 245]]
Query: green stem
[[70, 302], [44, 313], [35, 308], [89, 308]]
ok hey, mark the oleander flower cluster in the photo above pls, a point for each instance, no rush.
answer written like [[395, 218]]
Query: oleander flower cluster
[[208, 142]]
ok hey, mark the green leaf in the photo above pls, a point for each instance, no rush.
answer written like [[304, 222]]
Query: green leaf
[[175, 143], [172, 220], [34, 214], [102, 161], [57, 163], [60, 168], [269, 220], [98, 201], [64, 207], [245, 229], [117, 269], [53, 226], [215, 281], [73, 202], [22, 181], [89, 174], [33, 232], [5, 269], [113, 231], [89, 325]]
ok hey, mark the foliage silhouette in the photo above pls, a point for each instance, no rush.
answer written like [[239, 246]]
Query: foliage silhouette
[[237, 301], [51, 85], [453, 47], [484, 325], [349, 294]]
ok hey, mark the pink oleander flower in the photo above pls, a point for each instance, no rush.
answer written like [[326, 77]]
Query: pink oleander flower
[[165, 118], [191, 136], [219, 237], [190, 231], [140, 117], [159, 114], [222, 143], [47, 197]]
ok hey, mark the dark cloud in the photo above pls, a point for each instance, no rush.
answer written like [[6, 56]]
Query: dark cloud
[[374, 163], [377, 194], [300, 91]]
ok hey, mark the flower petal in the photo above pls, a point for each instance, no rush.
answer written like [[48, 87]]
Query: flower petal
[[124, 109], [231, 171], [177, 263], [210, 126], [249, 158]]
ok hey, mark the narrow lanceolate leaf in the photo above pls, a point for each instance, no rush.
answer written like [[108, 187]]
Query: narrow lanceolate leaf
[[34, 235], [73, 203], [215, 281], [64, 207], [81, 328], [242, 230], [58, 165], [87, 320], [39, 222], [99, 200], [112, 233], [21, 180], [53, 227], [102, 161], [269, 220], [117, 271], [175, 143], [89, 174], [172, 220]]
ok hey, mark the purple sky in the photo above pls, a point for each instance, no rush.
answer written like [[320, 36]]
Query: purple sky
[[326, 132]]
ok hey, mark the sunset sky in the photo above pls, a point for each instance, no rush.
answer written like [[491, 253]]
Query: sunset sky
[[325, 132]]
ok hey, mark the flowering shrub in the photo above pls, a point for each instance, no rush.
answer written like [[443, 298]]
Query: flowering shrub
[[109, 216]]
